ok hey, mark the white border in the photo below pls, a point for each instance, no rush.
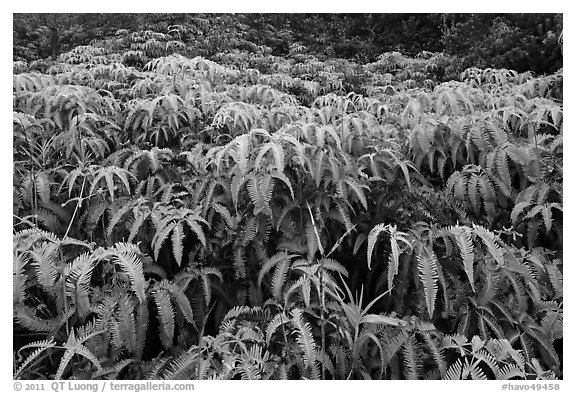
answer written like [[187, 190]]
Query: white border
[[383, 6]]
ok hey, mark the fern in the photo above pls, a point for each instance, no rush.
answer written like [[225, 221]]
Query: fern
[[177, 368], [305, 340], [491, 242], [78, 276], [429, 276], [74, 346], [166, 314], [41, 346], [463, 237], [409, 355]]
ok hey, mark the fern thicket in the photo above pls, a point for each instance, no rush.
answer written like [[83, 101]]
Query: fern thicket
[[227, 205]]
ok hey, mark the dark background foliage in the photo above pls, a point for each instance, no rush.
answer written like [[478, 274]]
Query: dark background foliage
[[523, 42]]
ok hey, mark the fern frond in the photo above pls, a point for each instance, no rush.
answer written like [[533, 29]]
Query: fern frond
[[393, 346], [194, 224], [239, 262], [545, 344], [73, 347], [128, 257], [78, 276], [40, 346], [437, 353], [160, 237], [510, 371], [117, 217], [372, 237], [305, 339], [166, 314], [491, 242], [113, 371], [409, 356], [429, 277], [556, 279], [20, 260], [278, 320], [177, 239], [475, 372], [154, 371], [279, 277], [26, 317], [178, 367], [455, 372], [180, 298]]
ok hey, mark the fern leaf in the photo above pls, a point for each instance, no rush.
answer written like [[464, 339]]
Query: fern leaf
[[236, 184], [177, 238], [160, 237], [455, 372], [556, 279], [19, 278], [510, 371], [196, 228], [305, 339], [372, 237], [157, 366], [393, 346], [26, 317], [357, 188], [279, 277], [75, 347], [437, 353], [519, 289], [271, 262], [179, 366], [429, 278], [488, 358], [127, 256], [40, 346], [517, 210], [225, 213], [239, 263], [112, 372], [394, 258], [85, 352], [491, 243], [412, 368], [547, 216], [474, 371], [45, 265], [274, 324], [242, 150], [472, 192], [283, 178], [117, 217], [464, 240], [124, 324], [545, 345], [277, 151], [166, 314], [78, 275], [311, 240], [502, 166], [492, 323], [181, 299]]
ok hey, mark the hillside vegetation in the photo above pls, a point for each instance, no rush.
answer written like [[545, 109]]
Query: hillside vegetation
[[257, 216]]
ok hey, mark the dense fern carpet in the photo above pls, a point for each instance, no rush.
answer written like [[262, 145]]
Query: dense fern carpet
[[193, 207]]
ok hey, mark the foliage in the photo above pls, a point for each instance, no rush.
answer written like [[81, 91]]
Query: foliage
[[521, 42], [255, 217]]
